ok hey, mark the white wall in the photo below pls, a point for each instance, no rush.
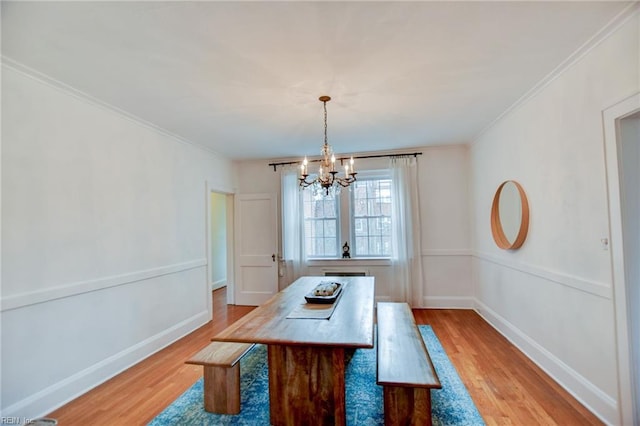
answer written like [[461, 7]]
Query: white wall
[[444, 206], [446, 228], [218, 264], [553, 297], [103, 248]]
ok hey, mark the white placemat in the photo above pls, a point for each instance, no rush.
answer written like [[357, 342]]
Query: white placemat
[[314, 310]]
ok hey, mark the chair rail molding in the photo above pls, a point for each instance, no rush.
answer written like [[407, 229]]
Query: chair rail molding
[[447, 252], [76, 288], [592, 287]]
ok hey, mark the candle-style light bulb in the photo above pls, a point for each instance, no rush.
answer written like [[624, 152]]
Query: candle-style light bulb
[[353, 169], [301, 169], [304, 165], [333, 163], [346, 170]]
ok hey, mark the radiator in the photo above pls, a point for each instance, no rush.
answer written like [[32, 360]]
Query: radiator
[[361, 273]]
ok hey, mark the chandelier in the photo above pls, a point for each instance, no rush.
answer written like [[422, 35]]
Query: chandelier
[[328, 179]]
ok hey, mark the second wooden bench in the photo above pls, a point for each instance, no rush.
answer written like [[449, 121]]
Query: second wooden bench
[[221, 375], [405, 370]]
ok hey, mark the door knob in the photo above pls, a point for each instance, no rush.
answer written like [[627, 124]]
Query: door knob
[[273, 257]]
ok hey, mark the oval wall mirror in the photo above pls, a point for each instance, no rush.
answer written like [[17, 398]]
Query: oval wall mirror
[[509, 215]]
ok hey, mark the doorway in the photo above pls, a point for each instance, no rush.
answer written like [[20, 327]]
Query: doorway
[[218, 240], [219, 243], [622, 148], [629, 163]]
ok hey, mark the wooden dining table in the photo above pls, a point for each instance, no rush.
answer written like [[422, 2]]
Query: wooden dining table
[[306, 357]]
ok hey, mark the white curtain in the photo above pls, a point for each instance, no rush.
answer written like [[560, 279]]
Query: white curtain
[[292, 223], [406, 260]]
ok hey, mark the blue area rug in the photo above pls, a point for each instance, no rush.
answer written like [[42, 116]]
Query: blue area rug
[[451, 405]]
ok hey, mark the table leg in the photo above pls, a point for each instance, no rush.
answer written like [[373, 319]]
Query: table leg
[[306, 385], [407, 406]]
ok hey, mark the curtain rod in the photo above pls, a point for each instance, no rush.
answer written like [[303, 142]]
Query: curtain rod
[[408, 154]]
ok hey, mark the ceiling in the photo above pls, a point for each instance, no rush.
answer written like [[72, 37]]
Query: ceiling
[[243, 78]]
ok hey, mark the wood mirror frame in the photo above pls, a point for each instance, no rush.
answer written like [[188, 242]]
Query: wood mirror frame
[[496, 226]]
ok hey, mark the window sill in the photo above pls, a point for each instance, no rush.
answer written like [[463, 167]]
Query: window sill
[[358, 261]]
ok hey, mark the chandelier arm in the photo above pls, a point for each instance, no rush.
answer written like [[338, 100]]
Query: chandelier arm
[[344, 182], [304, 183]]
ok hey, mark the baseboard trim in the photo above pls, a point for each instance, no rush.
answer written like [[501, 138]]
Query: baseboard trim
[[54, 396], [589, 395], [218, 284], [72, 289], [448, 302]]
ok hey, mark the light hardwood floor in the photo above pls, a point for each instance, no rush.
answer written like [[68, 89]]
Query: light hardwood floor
[[507, 388]]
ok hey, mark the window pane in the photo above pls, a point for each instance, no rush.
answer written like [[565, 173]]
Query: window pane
[[330, 228], [329, 208], [360, 207], [360, 227], [372, 246], [386, 246], [374, 226], [374, 207], [362, 245], [318, 210], [360, 190], [330, 247]]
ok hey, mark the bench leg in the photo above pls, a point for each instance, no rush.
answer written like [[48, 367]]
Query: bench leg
[[222, 389], [407, 406]]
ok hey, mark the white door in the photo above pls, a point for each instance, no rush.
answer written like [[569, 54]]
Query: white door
[[256, 225]]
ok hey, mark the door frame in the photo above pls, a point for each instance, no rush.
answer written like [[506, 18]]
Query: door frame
[[209, 188], [611, 123]]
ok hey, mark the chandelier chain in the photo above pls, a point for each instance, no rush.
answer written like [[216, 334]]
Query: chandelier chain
[[325, 122]]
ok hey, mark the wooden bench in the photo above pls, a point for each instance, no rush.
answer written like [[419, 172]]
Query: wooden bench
[[221, 375], [404, 367]]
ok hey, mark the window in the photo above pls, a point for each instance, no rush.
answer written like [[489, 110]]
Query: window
[[371, 202], [320, 225], [360, 215]]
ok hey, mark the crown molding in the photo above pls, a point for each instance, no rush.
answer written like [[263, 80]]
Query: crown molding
[[629, 12], [40, 77]]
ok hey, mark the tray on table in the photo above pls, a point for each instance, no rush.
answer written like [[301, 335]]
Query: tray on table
[[311, 297]]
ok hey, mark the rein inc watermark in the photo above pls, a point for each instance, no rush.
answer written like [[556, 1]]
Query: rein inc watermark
[[27, 421], [15, 420]]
